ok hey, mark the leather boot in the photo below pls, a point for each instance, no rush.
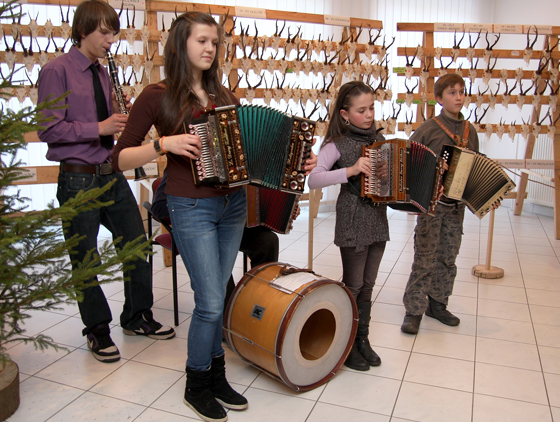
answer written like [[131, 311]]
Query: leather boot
[[362, 340], [199, 397], [355, 360], [439, 311], [222, 391], [411, 323]]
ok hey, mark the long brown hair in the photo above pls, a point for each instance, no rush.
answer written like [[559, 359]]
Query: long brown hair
[[346, 95], [179, 101]]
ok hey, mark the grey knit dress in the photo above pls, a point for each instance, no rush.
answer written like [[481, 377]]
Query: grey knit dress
[[358, 223]]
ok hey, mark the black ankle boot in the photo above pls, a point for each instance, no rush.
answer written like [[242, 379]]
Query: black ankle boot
[[355, 360], [362, 336], [224, 394], [439, 311], [199, 397], [411, 324]]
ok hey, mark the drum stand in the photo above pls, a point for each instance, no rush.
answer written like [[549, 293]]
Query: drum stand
[[487, 270]]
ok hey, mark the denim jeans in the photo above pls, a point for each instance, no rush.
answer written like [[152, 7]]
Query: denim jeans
[[208, 233], [122, 219]]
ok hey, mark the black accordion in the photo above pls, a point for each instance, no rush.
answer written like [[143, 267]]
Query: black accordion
[[244, 144], [405, 175], [271, 208], [474, 179]]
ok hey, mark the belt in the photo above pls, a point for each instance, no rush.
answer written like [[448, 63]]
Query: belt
[[97, 169]]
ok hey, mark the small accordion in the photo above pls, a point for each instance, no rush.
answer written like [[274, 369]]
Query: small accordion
[[271, 208], [474, 179], [405, 175], [244, 144]]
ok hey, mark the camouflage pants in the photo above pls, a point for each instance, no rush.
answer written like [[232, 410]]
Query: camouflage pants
[[436, 245]]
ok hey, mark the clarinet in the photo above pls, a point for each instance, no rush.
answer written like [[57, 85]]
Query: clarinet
[[119, 94], [139, 172]]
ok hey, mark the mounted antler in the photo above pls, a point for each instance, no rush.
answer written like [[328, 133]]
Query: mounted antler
[[480, 97], [537, 74], [442, 69], [488, 52], [409, 96], [548, 50], [487, 73], [470, 48], [456, 46], [408, 67], [425, 72], [528, 53], [493, 97], [250, 91]]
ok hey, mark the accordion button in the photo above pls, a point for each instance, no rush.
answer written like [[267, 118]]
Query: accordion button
[[300, 178], [308, 136], [293, 185], [304, 126]]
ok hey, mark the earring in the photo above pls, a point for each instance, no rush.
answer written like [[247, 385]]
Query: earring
[[347, 122]]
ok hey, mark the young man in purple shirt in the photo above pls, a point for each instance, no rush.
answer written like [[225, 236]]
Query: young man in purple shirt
[[80, 137]]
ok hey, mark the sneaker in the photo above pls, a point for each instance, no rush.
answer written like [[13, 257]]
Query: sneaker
[[100, 343], [151, 328]]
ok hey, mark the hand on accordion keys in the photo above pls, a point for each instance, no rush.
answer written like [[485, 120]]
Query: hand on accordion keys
[[363, 165], [185, 144]]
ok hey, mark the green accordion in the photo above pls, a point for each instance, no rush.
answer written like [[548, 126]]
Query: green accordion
[[245, 144]]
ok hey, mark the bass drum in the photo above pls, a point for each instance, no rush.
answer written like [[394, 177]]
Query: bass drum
[[296, 326]]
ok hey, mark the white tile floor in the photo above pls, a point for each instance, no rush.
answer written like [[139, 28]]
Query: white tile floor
[[502, 363]]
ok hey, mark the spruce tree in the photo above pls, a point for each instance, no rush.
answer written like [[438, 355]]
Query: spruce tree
[[35, 269]]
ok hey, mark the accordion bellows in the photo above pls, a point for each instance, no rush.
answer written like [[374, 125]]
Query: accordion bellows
[[405, 175], [474, 179], [271, 208], [253, 144]]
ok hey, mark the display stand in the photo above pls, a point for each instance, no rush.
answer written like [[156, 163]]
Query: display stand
[[426, 99], [152, 35]]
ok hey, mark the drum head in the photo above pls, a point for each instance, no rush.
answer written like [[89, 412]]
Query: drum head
[[315, 342]]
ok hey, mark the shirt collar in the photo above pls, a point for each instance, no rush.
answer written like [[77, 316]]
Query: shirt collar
[[450, 120], [83, 62]]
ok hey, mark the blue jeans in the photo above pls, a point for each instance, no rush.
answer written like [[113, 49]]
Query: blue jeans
[[122, 219], [208, 233]]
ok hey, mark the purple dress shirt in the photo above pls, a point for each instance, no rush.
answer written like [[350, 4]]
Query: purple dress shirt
[[73, 134]]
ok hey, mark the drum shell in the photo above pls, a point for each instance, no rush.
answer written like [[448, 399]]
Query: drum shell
[[304, 317]]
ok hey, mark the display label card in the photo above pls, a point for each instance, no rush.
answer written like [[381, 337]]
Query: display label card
[[448, 27], [399, 70], [150, 169], [539, 164], [250, 12], [30, 175], [511, 163], [508, 29], [543, 29], [479, 27], [337, 20]]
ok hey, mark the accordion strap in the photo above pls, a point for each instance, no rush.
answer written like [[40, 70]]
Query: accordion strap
[[456, 138]]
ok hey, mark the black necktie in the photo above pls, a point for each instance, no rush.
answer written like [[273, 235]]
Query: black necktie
[[101, 105]]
